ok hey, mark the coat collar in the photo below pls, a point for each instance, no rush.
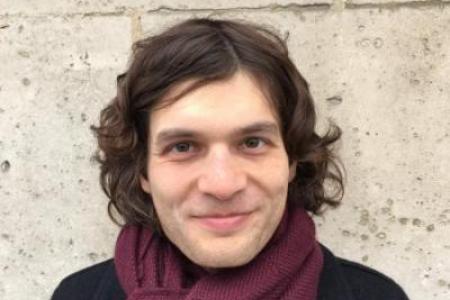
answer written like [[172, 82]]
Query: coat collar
[[332, 283]]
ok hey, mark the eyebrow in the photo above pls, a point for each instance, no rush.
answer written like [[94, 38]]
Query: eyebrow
[[257, 127]]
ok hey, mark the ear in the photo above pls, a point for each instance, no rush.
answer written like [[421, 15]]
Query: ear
[[145, 184], [292, 170]]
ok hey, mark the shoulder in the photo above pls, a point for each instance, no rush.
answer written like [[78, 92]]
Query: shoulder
[[95, 282], [357, 280], [367, 283]]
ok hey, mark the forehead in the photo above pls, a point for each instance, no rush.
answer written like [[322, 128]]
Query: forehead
[[216, 106]]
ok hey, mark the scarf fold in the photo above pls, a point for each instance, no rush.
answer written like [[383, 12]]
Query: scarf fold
[[151, 268]]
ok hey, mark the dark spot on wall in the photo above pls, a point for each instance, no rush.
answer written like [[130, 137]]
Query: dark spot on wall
[[364, 217], [345, 232], [26, 81], [5, 166], [442, 282], [23, 53], [364, 237], [365, 258], [430, 227], [334, 100], [93, 256], [444, 217], [286, 36], [70, 116], [426, 47], [378, 43], [83, 117], [416, 222], [363, 42], [5, 236], [385, 210], [20, 28], [373, 228], [414, 81]]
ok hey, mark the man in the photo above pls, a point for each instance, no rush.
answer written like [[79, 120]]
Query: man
[[209, 155]]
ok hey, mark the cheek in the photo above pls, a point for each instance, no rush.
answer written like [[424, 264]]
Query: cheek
[[169, 188], [165, 180], [273, 177]]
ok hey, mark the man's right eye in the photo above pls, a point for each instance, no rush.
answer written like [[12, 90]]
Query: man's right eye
[[181, 147]]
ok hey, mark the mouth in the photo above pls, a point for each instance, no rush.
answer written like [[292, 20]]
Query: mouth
[[223, 224]]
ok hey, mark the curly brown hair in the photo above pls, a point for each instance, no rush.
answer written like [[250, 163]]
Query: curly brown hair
[[208, 50]]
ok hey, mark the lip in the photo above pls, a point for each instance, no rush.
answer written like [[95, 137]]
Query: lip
[[223, 223]]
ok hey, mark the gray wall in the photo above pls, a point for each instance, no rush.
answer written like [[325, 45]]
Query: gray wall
[[379, 68]]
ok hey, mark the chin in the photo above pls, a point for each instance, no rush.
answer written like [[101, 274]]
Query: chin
[[225, 254], [218, 260]]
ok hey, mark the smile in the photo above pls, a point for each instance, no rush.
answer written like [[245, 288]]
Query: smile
[[223, 224]]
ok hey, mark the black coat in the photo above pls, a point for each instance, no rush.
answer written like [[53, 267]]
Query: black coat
[[340, 280]]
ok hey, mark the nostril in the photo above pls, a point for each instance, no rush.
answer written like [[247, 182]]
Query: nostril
[[220, 187]]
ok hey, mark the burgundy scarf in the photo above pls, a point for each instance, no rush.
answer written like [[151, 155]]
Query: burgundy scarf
[[149, 267]]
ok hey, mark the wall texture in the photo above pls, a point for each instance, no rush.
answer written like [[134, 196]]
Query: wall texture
[[379, 68]]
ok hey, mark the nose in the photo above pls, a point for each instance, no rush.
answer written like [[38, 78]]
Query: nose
[[223, 176]]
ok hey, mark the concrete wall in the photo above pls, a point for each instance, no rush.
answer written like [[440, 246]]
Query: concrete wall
[[379, 68]]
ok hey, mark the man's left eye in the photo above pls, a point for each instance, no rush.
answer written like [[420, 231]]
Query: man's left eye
[[182, 147], [254, 142]]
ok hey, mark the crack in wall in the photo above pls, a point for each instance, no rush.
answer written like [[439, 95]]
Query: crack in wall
[[295, 7], [392, 5]]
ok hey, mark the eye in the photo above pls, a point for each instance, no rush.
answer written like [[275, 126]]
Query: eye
[[254, 142], [181, 147]]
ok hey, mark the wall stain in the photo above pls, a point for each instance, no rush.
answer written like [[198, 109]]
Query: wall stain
[[5, 166], [93, 256], [417, 222], [334, 100], [444, 217], [403, 221], [26, 81], [364, 237]]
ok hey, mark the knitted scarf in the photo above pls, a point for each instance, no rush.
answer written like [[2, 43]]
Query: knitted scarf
[[149, 267]]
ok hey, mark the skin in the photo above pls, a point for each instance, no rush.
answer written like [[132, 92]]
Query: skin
[[204, 172]]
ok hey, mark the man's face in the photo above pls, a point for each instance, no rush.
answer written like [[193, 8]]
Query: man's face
[[218, 172]]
